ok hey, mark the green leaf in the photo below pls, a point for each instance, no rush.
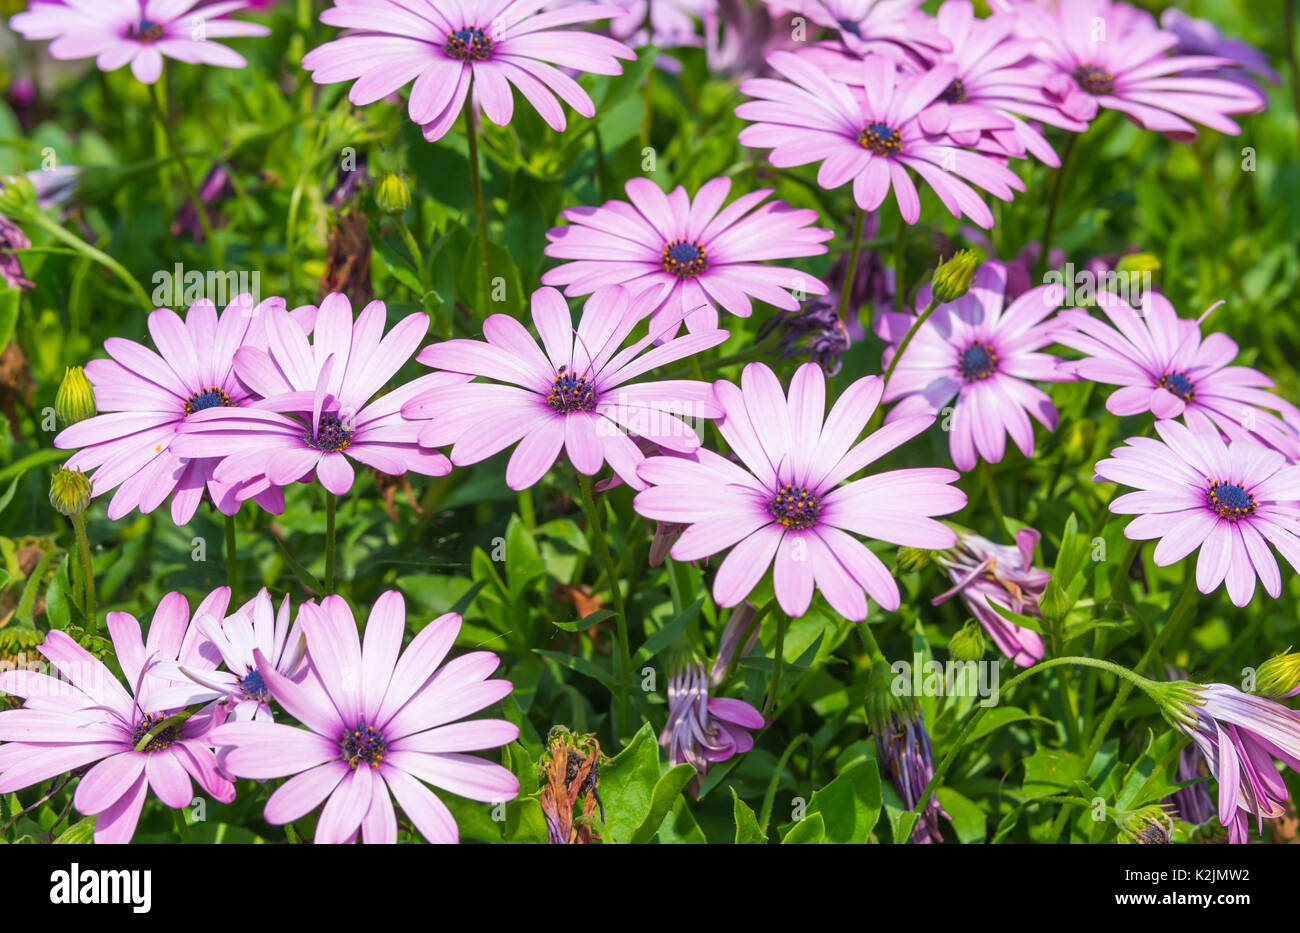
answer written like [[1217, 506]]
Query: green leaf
[[583, 666], [627, 785], [668, 634], [747, 829], [968, 818], [8, 314], [1051, 771], [303, 575], [811, 830], [525, 822], [586, 622], [7, 496], [667, 790], [81, 832], [1001, 716], [850, 804]]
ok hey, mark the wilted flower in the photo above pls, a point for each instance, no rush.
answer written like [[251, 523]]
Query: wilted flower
[[11, 264], [815, 330], [215, 187], [1146, 826], [738, 638], [1193, 802], [703, 730], [570, 775], [986, 573], [903, 751]]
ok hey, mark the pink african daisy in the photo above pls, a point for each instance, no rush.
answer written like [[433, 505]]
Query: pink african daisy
[[316, 414], [255, 626], [146, 398], [138, 32], [87, 718], [896, 28], [1101, 55], [784, 501], [448, 47], [1227, 500], [572, 392], [871, 138], [378, 727], [983, 352], [691, 253], [1166, 367]]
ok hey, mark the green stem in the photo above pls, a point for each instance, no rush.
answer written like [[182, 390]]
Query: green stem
[[232, 566], [416, 255], [986, 471], [526, 512], [87, 572], [476, 179], [851, 271], [900, 267], [167, 122], [182, 827], [331, 504], [597, 529], [769, 798], [778, 661], [108, 262], [1041, 265]]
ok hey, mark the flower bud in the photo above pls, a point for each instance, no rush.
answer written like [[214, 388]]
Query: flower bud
[[967, 644], [953, 277], [1279, 676], [392, 195], [17, 196], [1139, 262], [75, 400], [1145, 826], [913, 558], [70, 491]]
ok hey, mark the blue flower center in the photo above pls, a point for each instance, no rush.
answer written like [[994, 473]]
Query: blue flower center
[[684, 260], [1230, 501], [469, 44], [1179, 385], [363, 744], [207, 397], [162, 740], [881, 138], [977, 362], [795, 507], [955, 92], [254, 686], [145, 31], [571, 392], [333, 435], [1095, 80]]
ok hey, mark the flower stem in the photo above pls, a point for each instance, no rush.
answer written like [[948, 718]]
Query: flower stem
[[105, 260], [851, 271], [331, 503], [907, 338], [232, 567], [597, 529], [167, 121], [476, 179], [778, 661], [87, 572], [900, 265], [182, 827], [986, 470], [1043, 256]]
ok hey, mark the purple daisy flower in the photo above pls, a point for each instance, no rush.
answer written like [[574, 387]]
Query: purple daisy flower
[[147, 397], [378, 727], [1166, 367], [1231, 501], [1100, 55], [1239, 735], [784, 501], [982, 354], [983, 573], [703, 730], [317, 412], [573, 394], [689, 253], [255, 626], [138, 32], [448, 47], [88, 719], [896, 28], [871, 137]]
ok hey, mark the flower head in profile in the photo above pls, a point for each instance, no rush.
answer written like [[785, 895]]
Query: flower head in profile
[[690, 254], [871, 136], [574, 392], [1240, 735], [378, 724], [703, 730], [984, 353], [1164, 365], [255, 626], [896, 28], [318, 409], [985, 573], [1099, 55], [1202, 37], [146, 397], [1229, 500], [87, 719], [140, 33], [493, 46], [786, 503]]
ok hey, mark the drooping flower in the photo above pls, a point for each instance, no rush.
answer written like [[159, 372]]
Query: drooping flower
[[146, 397], [1229, 500], [690, 253], [574, 392], [983, 573], [784, 502], [256, 625], [1239, 736], [447, 47], [982, 352], [1165, 366], [138, 32], [87, 718], [318, 411], [1193, 802], [896, 28], [871, 138], [738, 638], [704, 730], [376, 727], [815, 331], [1100, 55]]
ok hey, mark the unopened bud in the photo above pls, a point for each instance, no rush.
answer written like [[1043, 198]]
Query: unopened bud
[[75, 400], [17, 196], [70, 491], [968, 643], [392, 195], [1139, 262], [913, 558], [953, 277], [1279, 676]]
